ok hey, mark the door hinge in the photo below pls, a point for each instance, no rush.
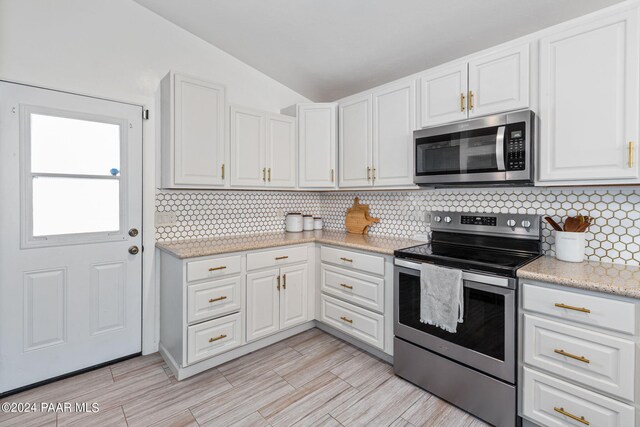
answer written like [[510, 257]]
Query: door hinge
[[145, 114]]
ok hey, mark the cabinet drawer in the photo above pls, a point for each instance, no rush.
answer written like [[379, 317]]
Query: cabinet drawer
[[276, 257], [553, 403], [603, 362], [212, 299], [355, 321], [588, 309], [213, 337], [214, 267], [361, 289], [369, 263]]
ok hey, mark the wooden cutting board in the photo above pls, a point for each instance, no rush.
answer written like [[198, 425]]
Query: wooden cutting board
[[358, 220]]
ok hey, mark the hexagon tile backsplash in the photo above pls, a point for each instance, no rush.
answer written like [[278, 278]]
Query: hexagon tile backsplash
[[615, 236]]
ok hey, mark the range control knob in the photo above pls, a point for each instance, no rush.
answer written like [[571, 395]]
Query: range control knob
[[511, 223], [437, 218], [526, 224], [447, 219]]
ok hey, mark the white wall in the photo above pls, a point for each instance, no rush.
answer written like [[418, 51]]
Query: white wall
[[119, 50]]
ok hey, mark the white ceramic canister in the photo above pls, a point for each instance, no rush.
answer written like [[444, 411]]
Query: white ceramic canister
[[293, 222], [308, 222], [317, 223], [570, 246]]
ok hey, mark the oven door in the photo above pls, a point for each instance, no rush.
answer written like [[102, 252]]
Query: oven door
[[486, 338]]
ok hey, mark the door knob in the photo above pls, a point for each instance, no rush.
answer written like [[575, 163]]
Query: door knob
[[133, 250], [133, 232]]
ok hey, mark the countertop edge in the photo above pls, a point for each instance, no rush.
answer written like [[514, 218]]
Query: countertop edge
[[585, 285]]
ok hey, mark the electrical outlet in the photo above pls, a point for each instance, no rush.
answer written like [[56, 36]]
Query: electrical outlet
[[280, 213], [427, 217], [166, 219]]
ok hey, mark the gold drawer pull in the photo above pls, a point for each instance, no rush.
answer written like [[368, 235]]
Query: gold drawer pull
[[284, 281], [346, 320], [470, 100], [346, 259], [217, 338], [217, 299], [630, 154], [218, 268], [570, 307], [346, 286], [462, 102], [278, 258], [573, 356], [278, 282], [570, 415]]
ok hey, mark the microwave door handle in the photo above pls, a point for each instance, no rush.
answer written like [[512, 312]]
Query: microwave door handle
[[502, 131]]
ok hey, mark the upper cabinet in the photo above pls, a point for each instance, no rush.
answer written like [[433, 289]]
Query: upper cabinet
[[192, 133], [376, 137], [589, 102], [317, 145], [485, 85], [263, 149]]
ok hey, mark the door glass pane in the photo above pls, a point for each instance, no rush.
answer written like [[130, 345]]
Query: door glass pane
[[75, 205], [72, 146]]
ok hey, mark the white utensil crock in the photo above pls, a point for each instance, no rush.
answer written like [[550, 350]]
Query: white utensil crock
[[570, 246]]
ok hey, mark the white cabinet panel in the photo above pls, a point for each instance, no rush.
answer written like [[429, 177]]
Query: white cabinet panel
[[499, 82], [317, 145], [354, 139], [276, 257], [281, 151], [248, 148], [213, 299], [357, 322], [193, 132], [393, 126], [213, 267], [443, 95], [589, 102], [293, 296], [107, 296], [360, 289], [371, 264], [263, 304], [214, 337], [45, 308]]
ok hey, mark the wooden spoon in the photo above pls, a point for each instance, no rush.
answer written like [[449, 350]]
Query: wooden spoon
[[554, 224]]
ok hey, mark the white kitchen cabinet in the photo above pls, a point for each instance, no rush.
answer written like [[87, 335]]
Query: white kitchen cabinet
[[262, 149], [293, 295], [192, 132], [354, 139], [317, 145], [589, 103], [376, 137], [496, 82]]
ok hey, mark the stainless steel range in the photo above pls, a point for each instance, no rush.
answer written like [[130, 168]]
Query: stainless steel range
[[475, 367]]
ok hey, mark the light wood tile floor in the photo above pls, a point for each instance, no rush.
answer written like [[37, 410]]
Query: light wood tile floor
[[311, 379]]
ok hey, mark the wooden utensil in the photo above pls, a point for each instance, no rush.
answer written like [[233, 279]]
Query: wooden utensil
[[358, 220], [554, 224], [571, 224]]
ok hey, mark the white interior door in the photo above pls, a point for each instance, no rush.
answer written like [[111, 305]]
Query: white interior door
[[71, 190]]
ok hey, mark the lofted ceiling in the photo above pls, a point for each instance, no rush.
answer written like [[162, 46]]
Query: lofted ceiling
[[328, 49]]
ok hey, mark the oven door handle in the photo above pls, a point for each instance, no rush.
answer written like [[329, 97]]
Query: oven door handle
[[472, 277], [502, 132]]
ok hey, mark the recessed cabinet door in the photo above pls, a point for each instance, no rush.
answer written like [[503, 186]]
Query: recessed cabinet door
[[293, 295], [317, 145], [248, 156], [263, 302], [199, 109], [589, 102], [281, 151], [393, 126], [354, 139], [443, 95], [499, 82]]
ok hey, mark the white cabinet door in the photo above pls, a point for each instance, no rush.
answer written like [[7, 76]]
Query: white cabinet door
[[589, 102], [393, 126], [281, 151], [317, 145], [499, 82], [354, 140], [443, 95], [263, 302], [293, 295], [248, 148], [193, 132]]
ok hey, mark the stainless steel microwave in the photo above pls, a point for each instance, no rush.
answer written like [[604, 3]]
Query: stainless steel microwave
[[493, 150]]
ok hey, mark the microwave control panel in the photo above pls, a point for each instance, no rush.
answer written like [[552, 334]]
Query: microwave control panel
[[516, 151]]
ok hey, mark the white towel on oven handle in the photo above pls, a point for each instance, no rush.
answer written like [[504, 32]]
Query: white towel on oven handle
[[441, 297]]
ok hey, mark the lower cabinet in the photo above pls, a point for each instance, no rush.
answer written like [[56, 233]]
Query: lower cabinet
[[355, 321], [214, 337], [276, 299]]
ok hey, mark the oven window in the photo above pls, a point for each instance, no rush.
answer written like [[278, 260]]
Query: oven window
[[461, 152], [483, 329]]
